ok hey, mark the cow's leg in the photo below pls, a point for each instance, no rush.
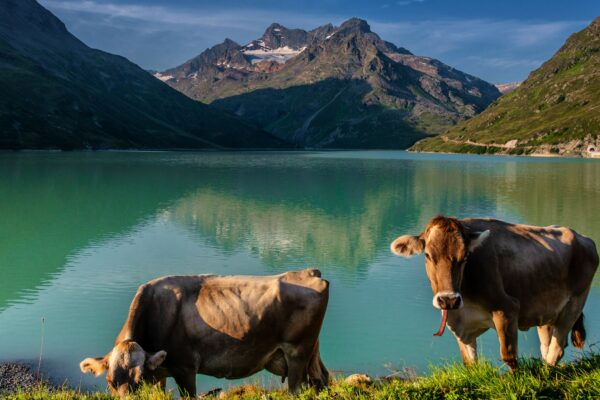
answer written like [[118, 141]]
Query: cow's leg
[[297, 371], [277, 365], [557, 344], [324, 372], [507, 327], [468, 351], [562, 327], [545, 334], [296, 374], [162, 384], [467, 324], [186, 383], [318, 376]]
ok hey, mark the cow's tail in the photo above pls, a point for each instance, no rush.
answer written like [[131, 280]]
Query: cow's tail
[[578, 333]]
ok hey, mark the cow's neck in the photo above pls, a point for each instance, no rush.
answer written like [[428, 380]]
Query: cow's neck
[[135, 327]]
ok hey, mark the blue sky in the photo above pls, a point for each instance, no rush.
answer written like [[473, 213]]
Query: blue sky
[[499, 41]]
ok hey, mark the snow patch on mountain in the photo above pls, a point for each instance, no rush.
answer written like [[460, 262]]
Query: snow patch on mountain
[[280, 55], [162, 77]]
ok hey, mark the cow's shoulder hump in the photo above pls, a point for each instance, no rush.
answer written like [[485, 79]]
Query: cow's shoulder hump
[[309, 278]]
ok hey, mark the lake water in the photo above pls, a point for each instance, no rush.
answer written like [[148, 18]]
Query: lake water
[[80, 231]]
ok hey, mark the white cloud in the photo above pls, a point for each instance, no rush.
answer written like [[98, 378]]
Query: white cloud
[[444, 36], [159, 36], [224, 18], [407, 2]]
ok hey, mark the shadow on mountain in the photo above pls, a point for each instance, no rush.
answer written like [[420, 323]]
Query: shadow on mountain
[[57, 93], [332, 113]]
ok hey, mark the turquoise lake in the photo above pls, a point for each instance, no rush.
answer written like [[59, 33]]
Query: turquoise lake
[[80, 231]]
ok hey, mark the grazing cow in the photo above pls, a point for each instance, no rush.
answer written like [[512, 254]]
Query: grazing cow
[[224, 326], [486, 273]]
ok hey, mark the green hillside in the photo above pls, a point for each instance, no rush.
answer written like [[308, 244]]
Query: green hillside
[[57, 93], [555, 111]]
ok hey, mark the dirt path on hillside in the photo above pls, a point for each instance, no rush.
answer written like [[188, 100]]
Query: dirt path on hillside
[[446, 139]]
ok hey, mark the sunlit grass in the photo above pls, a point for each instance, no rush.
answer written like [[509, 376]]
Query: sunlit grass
[[579, 379]]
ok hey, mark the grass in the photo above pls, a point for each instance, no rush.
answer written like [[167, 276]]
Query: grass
[[579, 379]]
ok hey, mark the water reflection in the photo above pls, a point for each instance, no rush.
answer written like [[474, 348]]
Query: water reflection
[[80, 231], [344, 214]]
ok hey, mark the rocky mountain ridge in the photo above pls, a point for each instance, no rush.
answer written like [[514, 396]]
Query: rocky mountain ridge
[[60, 94], [333, 87]]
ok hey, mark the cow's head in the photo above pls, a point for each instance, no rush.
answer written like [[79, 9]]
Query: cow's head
[[126, 366], [447, 245]]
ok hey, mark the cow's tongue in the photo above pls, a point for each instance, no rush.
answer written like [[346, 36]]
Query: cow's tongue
[[440, 331]]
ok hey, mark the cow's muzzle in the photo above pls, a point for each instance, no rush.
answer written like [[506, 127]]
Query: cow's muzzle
[[447, 300]]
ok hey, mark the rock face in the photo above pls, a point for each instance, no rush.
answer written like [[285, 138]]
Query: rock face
[[554, 112], [59, 93], [358, 380], [333, 87]]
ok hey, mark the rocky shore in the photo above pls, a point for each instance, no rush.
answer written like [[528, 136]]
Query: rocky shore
[[15, 376]]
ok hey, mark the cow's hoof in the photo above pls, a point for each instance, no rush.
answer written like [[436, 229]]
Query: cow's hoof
[[512, 364], [359, 379]]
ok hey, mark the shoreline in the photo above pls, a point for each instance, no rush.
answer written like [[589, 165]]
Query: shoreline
[[579, 378], [294, 151], [17, 375], [500, 155]]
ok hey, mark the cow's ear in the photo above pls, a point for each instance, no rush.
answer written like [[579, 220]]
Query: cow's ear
[[153, 360], [94, 366], [476, 239], [407, 246]]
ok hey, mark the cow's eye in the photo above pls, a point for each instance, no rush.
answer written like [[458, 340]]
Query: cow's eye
[[427, 256]]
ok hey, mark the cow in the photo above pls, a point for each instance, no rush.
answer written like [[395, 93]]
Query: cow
[[223, 326], [486, 273]]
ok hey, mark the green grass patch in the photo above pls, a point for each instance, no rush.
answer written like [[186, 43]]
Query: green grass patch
[[579, 379]]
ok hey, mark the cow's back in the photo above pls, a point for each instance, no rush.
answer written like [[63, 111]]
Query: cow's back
[[542, 267], [527, 252], [245, 306]]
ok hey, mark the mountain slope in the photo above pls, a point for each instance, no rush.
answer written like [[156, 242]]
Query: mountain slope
[[337, 87], [556, 110], [59, 93]]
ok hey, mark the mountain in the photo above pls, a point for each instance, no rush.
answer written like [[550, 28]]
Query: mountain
[[279, 37], [505, 88], [555, 111], [60, 94], [332, 87]]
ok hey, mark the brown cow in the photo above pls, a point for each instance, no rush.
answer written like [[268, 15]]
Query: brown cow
[[487, 273], [224, 326]]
